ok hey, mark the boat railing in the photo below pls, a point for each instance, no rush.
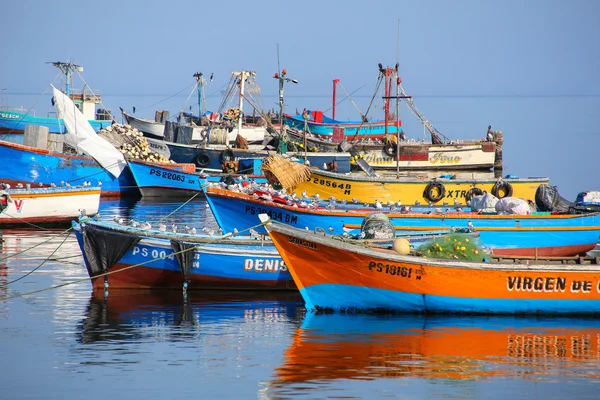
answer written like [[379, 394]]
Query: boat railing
[[88, 95], [21, 110]]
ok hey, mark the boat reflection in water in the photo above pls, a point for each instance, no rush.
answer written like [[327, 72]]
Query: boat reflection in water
[[369, 347], [144, 315]]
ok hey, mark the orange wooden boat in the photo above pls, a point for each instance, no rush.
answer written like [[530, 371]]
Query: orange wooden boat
[[332, 273]]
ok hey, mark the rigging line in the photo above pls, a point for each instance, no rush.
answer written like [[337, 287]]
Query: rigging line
[[30, 109], [39, 266], [39, 244], [179, 208], [266, 118], [121, 269], [352, 101], [229, 90], [379, 80], [346, 98]]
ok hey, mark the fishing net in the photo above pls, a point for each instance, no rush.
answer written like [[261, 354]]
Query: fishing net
[[289, 174], [454, 246]]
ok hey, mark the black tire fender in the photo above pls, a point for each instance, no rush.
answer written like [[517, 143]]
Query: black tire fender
[[475, 191], [202, 160], [502, 187], [434, 191], [390, 149]]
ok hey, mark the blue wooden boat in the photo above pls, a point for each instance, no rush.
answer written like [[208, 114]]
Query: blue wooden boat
[[211, 157], [538, 234], [14, 120], [163, 180], [153, 258], [42, 168], [357, 130]]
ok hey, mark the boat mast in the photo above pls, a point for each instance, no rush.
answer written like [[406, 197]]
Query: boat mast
[[200, 85], [281, 78], [335, 82], [242, 76], [67, 69]]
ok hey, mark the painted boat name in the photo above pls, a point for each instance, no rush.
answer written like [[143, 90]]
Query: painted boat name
[[392, 269], [167, 175], [274, 215], [267, 265], [548, 284], [303, 243], [326, 182]]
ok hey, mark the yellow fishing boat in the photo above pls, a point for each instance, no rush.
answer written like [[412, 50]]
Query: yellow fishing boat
[[412, 190]]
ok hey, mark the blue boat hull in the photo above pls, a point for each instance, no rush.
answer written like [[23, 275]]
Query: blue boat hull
[[542, 235], [156, 181], [212, 158], [372, 129], [215, 266], [43, 168], [344, 297], [12, 122]]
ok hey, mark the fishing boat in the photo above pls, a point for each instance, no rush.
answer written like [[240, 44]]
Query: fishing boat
[[342, 276], [221, 127], [166, 180], [415, 155], [445, 189], [211, 158], [13, 121], [318, 124], [460, 348], [391, 149], [126, 256], [536, 234], [46, 206], [96, 163]]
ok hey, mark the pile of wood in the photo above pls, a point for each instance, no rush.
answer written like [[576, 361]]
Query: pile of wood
[[131, 143]]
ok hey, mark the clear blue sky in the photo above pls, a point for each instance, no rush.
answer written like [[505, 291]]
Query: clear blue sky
[[482, 48]]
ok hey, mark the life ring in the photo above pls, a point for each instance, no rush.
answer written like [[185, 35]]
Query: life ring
[[202, 160], [475, 191], [390, 149], [434, 191], [502, 187]]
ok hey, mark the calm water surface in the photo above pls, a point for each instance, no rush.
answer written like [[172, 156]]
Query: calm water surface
[[67, 342]]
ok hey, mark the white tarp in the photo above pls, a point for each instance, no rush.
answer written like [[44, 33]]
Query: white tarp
[[81, 136], [513, 206]]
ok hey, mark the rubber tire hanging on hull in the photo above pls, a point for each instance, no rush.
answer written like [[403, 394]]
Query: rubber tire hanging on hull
[[473, 192], [503, 187], [430, 191], [202, 160], [390, 149]]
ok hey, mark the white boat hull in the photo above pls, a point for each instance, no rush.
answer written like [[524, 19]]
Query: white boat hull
[[48, 205]]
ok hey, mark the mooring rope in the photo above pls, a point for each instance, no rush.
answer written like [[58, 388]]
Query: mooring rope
[[216, 240]]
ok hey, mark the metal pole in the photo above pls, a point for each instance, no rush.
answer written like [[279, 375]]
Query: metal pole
[[397, 124], [335, 82]]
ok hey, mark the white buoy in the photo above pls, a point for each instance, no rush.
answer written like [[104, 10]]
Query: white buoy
[[401, 246]]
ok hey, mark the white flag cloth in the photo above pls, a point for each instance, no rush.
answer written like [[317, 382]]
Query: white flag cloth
[[81, 136]]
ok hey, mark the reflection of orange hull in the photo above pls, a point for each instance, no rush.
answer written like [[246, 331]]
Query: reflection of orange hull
[[451, 352]]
